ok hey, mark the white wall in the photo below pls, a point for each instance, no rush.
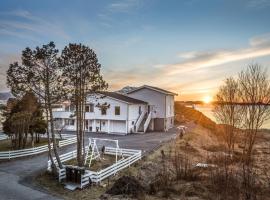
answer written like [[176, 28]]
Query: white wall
[[110, 111], [128, 112], [154, 98], [169, 106]]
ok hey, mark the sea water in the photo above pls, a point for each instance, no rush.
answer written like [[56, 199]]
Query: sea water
[[207, 110]]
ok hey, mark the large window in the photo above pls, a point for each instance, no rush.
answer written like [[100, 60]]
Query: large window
[[117, 110], [72, 122], [69, 122], [91, 107]]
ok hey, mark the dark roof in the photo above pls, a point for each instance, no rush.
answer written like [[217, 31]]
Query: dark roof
[[153, 88], [122, 97]]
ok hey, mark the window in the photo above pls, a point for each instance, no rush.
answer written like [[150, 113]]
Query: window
[[91, 107], [71, 122], [87, 108], [71, 108], [66, 122], [103, 111], [117, 110], [67, 108]]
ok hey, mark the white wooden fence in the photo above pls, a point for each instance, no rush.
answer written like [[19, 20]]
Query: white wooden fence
[[130, 156], [33, 151], [67, 141], [3, 136]]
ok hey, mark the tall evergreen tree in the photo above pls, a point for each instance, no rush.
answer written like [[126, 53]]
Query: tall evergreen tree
[[22, 118], [39, 73], [82, 73]]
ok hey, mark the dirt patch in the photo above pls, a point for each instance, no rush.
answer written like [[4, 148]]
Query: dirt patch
[[96, 165]]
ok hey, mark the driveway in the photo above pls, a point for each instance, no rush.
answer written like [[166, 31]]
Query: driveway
[[16, 175]]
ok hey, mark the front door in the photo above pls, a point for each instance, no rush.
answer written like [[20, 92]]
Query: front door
[[103, 126]]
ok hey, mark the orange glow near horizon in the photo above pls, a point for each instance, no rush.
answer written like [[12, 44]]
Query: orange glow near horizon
[[207, 99]]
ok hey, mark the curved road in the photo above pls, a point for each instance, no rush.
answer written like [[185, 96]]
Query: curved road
[[16, 175]]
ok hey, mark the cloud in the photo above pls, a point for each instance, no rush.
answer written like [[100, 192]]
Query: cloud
[[258, 46], [119, 6], [123, 6], [258, 4], [197, 73], [21, 23]]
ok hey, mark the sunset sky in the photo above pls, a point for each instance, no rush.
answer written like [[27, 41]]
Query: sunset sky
[[186, 46]]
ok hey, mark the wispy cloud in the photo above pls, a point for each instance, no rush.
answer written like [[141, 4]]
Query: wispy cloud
[[117, 7], [192, 74], [123, 5], [258, 4], [258, 46], [21, 23]]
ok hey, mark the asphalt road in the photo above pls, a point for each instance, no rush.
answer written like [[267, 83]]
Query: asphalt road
[[16, 175]]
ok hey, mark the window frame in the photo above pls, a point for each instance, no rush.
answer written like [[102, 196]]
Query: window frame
[[117, 108]]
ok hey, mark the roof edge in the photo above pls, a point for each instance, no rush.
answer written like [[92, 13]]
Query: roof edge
[[152, 88]]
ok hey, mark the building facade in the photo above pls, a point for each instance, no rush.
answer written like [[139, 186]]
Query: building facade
[[111, 112]]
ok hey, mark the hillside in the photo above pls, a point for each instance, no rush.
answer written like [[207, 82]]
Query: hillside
[[186, 114]]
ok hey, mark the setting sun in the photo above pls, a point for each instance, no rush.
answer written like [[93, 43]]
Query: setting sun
[[207, 99]]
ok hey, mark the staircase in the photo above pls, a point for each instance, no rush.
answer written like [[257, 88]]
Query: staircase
[[140, 128], [145, 123]]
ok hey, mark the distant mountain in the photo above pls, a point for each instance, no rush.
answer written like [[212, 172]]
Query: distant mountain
[[126, 89], [4, 96]]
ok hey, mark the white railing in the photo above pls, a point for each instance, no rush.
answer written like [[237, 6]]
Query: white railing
[[3, 136], [139, 121], [129, 157], [67, 141], [23, 152], [33, 151], [146, 124], [58, 136]]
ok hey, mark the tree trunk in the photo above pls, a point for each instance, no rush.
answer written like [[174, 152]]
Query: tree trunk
[[55, 147], [53, 166]]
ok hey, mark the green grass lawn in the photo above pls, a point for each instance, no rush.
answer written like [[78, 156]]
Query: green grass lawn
[[5, 145]]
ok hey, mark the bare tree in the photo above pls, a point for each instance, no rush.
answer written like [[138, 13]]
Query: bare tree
[[254, 90], [228, 112]]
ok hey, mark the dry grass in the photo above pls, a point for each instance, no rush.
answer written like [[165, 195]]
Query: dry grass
[[5, 145], [198, 145]]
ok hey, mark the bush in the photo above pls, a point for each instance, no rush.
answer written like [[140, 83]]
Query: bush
[[127, 185]]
